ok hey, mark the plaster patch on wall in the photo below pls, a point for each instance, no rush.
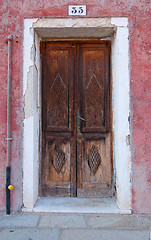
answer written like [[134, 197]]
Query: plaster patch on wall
[[35, 86], [27, 44], [28, 96]]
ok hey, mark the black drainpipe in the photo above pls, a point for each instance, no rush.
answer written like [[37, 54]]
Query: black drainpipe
[[8, 168]]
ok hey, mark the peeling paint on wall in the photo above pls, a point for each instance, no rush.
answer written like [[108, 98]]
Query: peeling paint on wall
[[28, 97]]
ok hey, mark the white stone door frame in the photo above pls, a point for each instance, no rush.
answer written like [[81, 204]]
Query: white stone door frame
[[114, 28]]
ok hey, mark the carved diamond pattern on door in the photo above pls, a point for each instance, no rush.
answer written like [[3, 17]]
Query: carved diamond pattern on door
[[94, 160], [59, 160], [58, 87], [93, 89]]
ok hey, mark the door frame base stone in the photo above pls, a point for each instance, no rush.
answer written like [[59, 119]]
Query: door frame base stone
[[115, 29], [76, 205]]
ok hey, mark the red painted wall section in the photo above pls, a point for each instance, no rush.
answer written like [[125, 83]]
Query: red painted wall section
[[12, 14], [141, 112]]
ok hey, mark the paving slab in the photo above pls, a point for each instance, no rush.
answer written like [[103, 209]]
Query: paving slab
[[64, 226], [19, 220], [118, 222], [29, 234], [86, 234], [62, 221]]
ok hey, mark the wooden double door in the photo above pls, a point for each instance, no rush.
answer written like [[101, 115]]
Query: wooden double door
[[76, 122]]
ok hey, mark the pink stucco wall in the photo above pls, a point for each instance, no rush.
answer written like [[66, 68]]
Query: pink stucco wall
[[12, 14]]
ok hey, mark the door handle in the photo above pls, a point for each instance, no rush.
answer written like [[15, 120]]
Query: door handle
[[80, 118]]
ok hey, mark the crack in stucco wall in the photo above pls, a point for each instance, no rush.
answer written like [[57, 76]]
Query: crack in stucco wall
[[28, 96]]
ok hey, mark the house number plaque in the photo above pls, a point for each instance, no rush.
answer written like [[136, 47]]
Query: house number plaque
[[77, 10]]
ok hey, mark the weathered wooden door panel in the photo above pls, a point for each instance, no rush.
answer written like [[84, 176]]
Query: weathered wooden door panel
[[56, 174], [94, 87], [57, 123], [76, 152], [57, 87], [94, 168]]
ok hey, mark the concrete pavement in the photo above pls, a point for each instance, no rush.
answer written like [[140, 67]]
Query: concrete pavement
[[54, 226]]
